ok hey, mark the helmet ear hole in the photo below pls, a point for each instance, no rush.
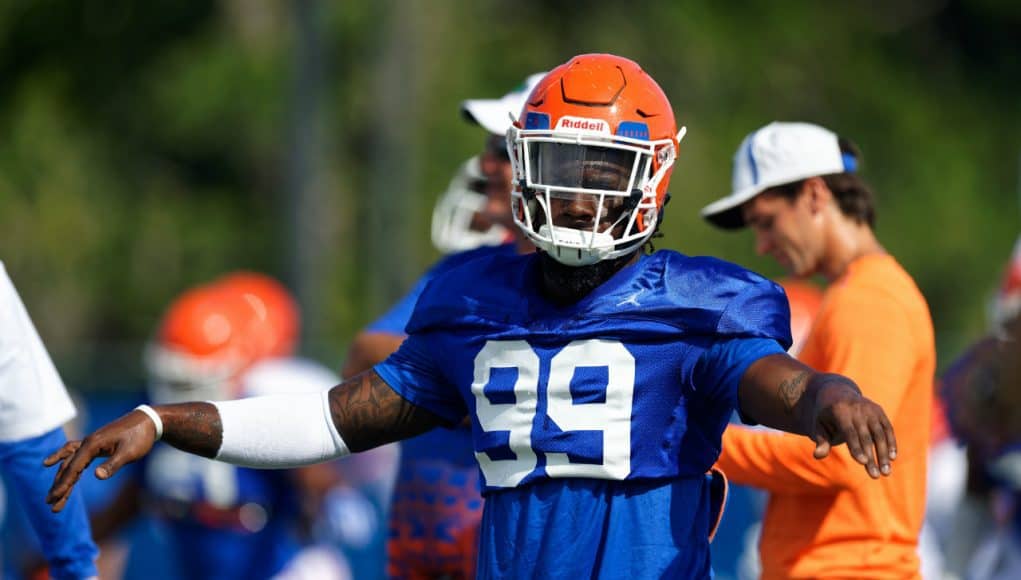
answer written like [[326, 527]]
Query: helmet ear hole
[[526, 192], [666, 200], [537, 211], [634, 199]]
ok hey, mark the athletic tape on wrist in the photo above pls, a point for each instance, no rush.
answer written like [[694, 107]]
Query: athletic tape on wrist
[[155, 419]]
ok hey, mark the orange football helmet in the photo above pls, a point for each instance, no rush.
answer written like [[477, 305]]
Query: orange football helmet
[[275, 322], [598, 127], [212, 334], [805, 300], [198, 350]]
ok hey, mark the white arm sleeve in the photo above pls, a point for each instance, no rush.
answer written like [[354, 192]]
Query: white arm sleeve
[[279, 431]]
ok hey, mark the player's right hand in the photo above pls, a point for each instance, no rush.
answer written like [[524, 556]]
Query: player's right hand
[[123, 441]]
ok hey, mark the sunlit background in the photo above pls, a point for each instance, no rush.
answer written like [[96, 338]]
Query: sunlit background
[[149, 146]]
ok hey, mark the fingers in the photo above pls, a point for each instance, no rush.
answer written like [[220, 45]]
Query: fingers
[[853, 430], [58, 496], [878, 440], [850, 426], [61, 490], [822, 447], [870, 439], [864, 451], [57, 500], [66, 462], [56, 507], [69, 473], [882, 448], [891, 437], [111, 466], [64, 452]]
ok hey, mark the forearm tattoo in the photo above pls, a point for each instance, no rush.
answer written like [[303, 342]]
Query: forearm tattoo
[[368, 413], [192, 427], [791, 390]]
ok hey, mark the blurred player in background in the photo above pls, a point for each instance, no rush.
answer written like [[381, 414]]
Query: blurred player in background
[[437, 505], [459, 221], [796, 186], [232, 338], [34, 405], [598, 379], [745, 504], [982, 389], [488, 229], [1007, 303]]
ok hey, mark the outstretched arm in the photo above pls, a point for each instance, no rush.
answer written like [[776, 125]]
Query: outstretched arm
[[363, 412], [370, 413], [780, 392]]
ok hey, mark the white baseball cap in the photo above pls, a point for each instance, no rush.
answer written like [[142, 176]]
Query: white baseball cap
[[494, 115], [777, 154]]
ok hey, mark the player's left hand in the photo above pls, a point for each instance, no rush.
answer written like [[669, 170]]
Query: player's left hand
[[842, 415]]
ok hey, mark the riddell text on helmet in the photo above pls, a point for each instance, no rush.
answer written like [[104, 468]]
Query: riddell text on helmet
[[582, 124]]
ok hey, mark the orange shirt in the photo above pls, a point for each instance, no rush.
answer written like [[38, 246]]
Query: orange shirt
[[827, 518]]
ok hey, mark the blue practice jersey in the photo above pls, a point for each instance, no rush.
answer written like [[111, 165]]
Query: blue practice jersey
[[437, 505], [594, 423], [394, 320], [451, 445], [224, 521]]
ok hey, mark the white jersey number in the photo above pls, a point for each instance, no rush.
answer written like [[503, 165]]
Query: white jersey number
[[612, 418]]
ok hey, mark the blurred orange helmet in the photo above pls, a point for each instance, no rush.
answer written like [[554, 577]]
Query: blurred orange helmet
[[212, 334], [198, 351], [275, 319], [594, 113], [805, 300]]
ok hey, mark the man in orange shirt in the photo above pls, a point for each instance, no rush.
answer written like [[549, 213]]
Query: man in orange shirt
[[796, 187]]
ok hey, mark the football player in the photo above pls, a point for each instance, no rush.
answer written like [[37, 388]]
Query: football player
[[598, 379], [437, 502], [385, 334], [982, 392], [34, 405], [459, 222], [228, 339]]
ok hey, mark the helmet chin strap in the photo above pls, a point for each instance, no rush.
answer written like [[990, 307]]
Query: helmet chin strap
[[573, 247]]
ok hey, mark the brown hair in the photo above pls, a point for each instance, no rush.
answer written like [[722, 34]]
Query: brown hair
[[854, 197]]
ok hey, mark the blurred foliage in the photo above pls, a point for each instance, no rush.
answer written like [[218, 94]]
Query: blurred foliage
[[146, 146]]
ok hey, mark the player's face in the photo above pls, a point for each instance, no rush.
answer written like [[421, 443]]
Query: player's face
[[581, 210], [496, 169], [786, 230], [589, 168]]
